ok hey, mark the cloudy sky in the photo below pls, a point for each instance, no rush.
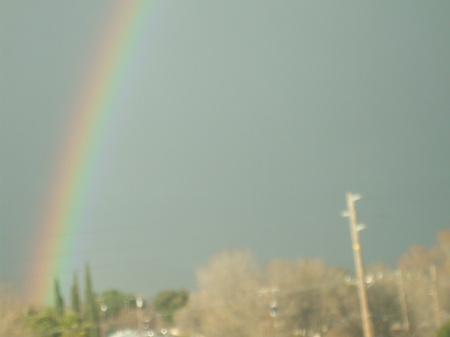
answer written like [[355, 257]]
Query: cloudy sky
[[242, 125]]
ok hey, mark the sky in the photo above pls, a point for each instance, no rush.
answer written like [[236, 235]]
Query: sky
[[240, 125]]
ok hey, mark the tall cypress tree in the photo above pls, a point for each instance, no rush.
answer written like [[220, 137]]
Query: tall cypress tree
[[91, 311], [59, 301], [75, 295]]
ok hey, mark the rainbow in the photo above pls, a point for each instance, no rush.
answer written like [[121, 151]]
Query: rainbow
[[91, 118]]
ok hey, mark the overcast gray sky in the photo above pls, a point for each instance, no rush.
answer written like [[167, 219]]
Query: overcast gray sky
[[243, 125]]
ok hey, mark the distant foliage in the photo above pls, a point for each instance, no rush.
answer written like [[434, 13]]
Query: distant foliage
[[47, 323], [114, 301], [168, 302], [241, 297], [444, 330], [230, 300], [236, 292], [44, 323]]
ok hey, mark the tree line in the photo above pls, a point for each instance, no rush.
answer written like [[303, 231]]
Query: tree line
[[94, 315], [80, 319], [237, 295]]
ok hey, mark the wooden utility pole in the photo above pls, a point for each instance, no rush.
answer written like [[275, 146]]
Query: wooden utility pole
[[402, 297], [362, 290]]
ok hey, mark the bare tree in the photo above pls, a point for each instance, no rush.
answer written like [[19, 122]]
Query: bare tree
[[226, 303], [427, 285], [313, 298], [11, 313], [385, 300]]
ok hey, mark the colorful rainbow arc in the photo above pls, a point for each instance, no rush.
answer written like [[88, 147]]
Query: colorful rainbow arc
[[92, 111]]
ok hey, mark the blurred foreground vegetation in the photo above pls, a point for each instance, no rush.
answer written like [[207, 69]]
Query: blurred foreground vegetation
[[237, 296]]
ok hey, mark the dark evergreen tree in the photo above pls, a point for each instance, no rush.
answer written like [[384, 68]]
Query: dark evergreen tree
[[91, 307], [75, 295], [59, 301]]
